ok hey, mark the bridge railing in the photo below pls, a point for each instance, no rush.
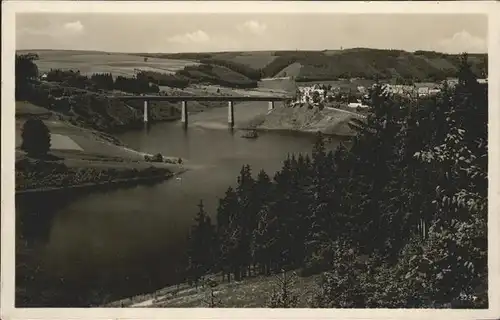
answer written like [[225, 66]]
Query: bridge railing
[[184, 103]]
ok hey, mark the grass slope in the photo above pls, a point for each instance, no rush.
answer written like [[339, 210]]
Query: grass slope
[[249, 293]]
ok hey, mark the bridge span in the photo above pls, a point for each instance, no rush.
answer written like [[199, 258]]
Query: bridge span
[[185, 99]]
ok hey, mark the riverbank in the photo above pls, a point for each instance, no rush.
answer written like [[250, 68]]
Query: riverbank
[[98, 185], [43, 176], [329, 121], [83, 158]]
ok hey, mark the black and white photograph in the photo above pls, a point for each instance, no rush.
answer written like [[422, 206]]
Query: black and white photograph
[[295, 159]]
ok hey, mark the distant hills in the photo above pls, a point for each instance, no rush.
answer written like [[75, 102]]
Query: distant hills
[[246, 69], [364, 63]]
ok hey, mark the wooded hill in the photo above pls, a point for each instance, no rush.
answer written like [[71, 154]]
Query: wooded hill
[[418, 66]]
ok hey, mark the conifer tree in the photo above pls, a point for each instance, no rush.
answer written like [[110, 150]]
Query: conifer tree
[[226, 215], [200, 247]]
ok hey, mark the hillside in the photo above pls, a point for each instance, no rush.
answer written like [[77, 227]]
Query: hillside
[[249, 293], [95, 110], [334, 64], [329, 121], [246, 69]]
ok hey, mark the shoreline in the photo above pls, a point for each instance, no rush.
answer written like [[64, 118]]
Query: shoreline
[[297, 132], [243, 127], [104, 184]]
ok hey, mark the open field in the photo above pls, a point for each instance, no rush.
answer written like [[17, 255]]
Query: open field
[[293, 70], [252, 59], [101, 62]]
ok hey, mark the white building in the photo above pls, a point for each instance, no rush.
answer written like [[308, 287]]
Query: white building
[[423, 91], [356, 105], [306, 94], [362, 89]]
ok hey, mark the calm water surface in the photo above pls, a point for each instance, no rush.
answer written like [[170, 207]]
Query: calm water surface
[[129, 241]]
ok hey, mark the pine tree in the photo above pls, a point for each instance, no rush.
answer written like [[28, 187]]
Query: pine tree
[[201, 246], [226, 215], [247, 216], [263, 190]]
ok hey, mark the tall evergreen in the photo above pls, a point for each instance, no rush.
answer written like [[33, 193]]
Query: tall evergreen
[[201, 245], [410, 193]]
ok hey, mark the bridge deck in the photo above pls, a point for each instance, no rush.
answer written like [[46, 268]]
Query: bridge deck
[[202, 98]]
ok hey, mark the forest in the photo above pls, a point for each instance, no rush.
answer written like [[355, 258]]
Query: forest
[[396, 220]]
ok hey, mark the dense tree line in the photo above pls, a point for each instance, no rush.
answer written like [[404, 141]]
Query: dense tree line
[[70, 78], [26, 72], [396, 220], [247, 71], [217, 75], [102, 81], [135, 85], [165, 79]]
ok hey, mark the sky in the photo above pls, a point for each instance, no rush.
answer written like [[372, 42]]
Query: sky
[[451, 33]]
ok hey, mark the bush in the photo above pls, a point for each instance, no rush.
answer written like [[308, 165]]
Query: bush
[[282, 295], [36, 138]]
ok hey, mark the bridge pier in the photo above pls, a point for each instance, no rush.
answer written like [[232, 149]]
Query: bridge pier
[[184, 114], [270, 106], [230, 114], [146, 112]]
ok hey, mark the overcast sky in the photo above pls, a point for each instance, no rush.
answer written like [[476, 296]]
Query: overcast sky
[[234, 32]]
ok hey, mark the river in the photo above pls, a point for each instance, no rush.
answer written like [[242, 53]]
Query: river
[[129, 241]]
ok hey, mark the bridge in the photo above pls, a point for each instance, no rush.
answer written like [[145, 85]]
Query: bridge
[[185, 99]]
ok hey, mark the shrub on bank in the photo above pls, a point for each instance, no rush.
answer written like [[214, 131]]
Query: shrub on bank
[[47, 174], [154, 158]]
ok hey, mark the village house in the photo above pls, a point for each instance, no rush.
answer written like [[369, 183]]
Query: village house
[[362, 89], [451, 82], [357, 105], [423, 91], [400, 89], [311, 94]]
